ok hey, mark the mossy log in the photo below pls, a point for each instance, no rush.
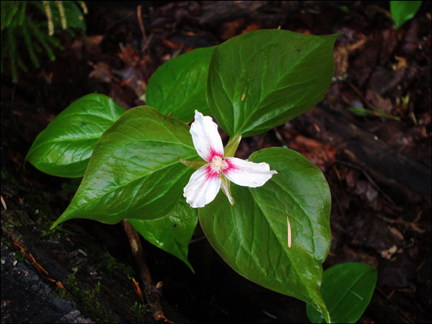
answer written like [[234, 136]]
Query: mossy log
[[61, 275]]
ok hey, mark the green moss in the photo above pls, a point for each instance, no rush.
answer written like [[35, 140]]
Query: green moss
[[61, 292], [19, 256], [72, 282], [10, 219], [6, 242], [57, 230], [88, 299], [49, 233], [139, 310], [111, 263], [6, 177], [32, 198]]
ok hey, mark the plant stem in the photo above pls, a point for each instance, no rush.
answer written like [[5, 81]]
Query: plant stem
[[152, 293]]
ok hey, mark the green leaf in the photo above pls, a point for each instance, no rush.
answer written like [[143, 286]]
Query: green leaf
[[402, 11], [179, 86], [64, 148], [252, 235], [134, 172], [347, 289], [171, 232], [265, 78]]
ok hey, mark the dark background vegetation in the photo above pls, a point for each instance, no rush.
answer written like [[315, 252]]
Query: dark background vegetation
[[378, 167]]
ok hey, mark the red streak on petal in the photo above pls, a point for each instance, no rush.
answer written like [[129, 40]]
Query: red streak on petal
[[229, 167], [210, 173], [213, 153]]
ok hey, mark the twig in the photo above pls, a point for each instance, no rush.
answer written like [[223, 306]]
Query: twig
[[151, 292], [197, 239], [375, 111], [142, 26], [394, 306], [360, 95], [3, 203], [352, 165]]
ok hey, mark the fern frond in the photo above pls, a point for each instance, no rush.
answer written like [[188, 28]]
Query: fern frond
[[83, 7], [22, 15], [3, 54], [55, 42], [9, 11], [30, 46], [47, 9], [21, 64], [16, 24], [41, 38], [13, 53], [62, 14]]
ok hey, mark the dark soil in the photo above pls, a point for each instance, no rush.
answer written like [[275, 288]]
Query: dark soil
[[378, 168]]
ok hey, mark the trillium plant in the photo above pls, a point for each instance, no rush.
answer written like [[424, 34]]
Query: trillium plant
[[205, 183], [267, 216]]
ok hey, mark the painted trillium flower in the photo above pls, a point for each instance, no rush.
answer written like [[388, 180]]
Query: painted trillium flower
[[205, 182]]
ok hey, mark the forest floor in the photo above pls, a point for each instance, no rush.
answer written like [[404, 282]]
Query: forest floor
[[378, 165]]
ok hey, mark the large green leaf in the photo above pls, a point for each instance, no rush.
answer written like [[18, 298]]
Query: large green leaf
[[252, 235], [64, 148], [171, 232], [347, 289], [402, 11], [134, 172], [179, 86], [265, 78]]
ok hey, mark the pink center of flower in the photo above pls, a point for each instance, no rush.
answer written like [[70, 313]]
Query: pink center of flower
[[217, 164]]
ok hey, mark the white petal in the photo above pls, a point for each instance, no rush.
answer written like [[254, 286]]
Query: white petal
[[206, 138], [225, 185], [246, 173], [202, 188]]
